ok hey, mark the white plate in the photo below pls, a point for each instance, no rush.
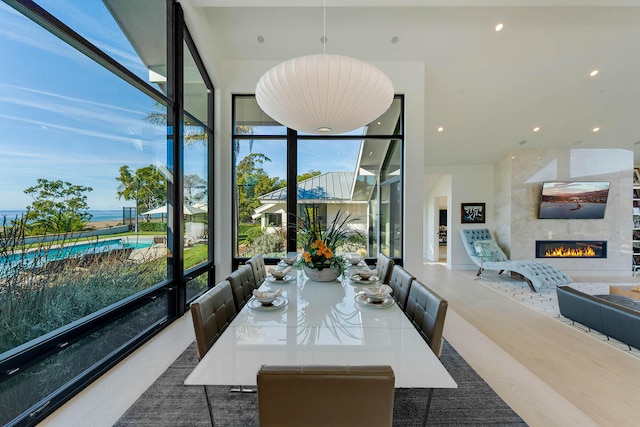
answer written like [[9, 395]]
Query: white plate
[[357, 279], [286, 278], [364, 300], [279, 302]]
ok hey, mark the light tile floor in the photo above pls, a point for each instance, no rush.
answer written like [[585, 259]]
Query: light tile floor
[[545, 301]]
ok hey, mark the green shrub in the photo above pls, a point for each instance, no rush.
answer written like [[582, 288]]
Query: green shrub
[[156, 227]]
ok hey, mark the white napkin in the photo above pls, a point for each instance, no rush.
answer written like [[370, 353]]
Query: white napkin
[[378, 291], [266, 294]]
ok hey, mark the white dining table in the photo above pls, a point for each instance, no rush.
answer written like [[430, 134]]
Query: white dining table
[[321, 323]]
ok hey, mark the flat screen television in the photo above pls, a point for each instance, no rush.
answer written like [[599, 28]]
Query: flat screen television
[[573, 199]]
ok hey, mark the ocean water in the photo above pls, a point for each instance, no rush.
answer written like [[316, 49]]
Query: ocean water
[[98, 215]]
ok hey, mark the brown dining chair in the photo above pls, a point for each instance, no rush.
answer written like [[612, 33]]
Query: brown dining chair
[[211, 313], [400, 282], [384, 266], [259, 269], [242, 285], [337, 396]]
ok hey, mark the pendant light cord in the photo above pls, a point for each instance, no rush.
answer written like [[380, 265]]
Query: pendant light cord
[[324, 27]]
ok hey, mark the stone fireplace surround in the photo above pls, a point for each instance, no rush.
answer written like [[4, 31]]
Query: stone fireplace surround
[[518, 177]]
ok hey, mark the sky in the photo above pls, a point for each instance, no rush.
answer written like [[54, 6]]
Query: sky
[[65, 117]]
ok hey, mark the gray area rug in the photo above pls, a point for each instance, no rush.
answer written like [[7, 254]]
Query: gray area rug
[[168, 402]]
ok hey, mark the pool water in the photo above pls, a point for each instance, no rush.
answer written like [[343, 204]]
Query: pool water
[[75, 250]]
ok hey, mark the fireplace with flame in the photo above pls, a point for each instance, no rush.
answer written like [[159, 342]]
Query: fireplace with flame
[[571, 249]]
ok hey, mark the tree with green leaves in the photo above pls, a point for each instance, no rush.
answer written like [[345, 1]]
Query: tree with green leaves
[[308, 175], [147, 187], [58, 207], [252, 182], [195, 189]]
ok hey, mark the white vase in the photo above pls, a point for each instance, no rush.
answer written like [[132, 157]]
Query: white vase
[[327, 274]]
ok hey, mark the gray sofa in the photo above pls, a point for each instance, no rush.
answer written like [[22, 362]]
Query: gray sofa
[[613, 315]]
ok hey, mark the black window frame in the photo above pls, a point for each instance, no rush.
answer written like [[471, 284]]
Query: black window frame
[[173, 288], [292, 138]]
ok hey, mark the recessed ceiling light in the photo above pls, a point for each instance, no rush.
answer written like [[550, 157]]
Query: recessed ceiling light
[[596, 129], [395, 39], [593, 73], [536, 129], [324, 39], [500, 26], [524, 141], [440, 129], [379, 123], [260, 39]]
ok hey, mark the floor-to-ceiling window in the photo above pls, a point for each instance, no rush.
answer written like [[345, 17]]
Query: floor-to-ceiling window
[[104, 209], [357, 173]]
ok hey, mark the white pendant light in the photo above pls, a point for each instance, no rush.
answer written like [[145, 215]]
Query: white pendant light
[[324, 94]]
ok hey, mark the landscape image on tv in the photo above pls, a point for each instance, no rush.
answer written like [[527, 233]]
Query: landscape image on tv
[[573, 200]]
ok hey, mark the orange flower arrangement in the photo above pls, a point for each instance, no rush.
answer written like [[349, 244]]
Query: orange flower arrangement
[[322, 243]]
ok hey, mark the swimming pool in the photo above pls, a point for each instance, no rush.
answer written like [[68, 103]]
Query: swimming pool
[[38, 257]]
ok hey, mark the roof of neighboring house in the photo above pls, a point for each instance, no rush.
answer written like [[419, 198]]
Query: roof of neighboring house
[[330, 186]]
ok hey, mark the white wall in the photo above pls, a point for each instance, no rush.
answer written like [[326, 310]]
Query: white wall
[[437, 187], [468, 184]]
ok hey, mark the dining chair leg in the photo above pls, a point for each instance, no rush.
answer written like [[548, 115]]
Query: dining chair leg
[[241, 389], [426, 412], [206, 395]]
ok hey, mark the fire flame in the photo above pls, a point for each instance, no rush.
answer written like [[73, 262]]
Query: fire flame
[[570, 252]]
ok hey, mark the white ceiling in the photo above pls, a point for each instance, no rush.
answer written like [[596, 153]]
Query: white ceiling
[[487, 89]]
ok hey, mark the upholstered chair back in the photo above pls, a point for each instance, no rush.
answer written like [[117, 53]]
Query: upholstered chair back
[[211, 313], [384, 266], [427, 311], [259, 270], [469, 238], [337, 396], [400, 282], [242, 285]]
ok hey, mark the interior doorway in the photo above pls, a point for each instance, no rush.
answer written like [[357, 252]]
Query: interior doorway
[[443, 235]]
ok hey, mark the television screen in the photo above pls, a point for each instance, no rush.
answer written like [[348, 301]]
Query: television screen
[[573, 200]]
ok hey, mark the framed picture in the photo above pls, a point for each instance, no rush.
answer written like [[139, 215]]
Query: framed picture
[[473, 213]]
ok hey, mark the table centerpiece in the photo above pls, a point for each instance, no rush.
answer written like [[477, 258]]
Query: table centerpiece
[[319, 259]]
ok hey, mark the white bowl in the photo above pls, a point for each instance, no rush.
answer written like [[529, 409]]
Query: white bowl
[[353, 259], [376, 299], [267, 298], [288, 261], [278, 274], [365, 273]]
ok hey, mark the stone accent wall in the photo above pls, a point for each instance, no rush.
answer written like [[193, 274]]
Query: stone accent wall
[[518, 180]]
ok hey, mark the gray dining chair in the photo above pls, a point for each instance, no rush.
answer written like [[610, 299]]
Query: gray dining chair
[[242, 285], [259, 269], [384, 266], [427, 311], [400, 282], [211, 314], [337, 396]]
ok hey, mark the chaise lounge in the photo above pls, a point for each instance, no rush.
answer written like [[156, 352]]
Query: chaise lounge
[[487, 255]]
